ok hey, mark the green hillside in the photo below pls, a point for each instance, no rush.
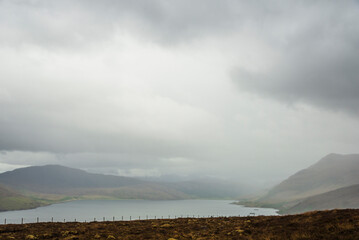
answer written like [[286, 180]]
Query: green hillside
[[12, 200]]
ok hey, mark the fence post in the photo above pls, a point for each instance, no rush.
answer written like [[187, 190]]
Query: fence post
[[22, 220], [94, 219], [122, 218], [52, 219], [64, 220], [113, 218], [5, 221], [103, 219], [37, 219], [130, 218]]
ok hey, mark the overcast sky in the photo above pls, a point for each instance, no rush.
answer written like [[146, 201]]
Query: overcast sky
[[247, 90]]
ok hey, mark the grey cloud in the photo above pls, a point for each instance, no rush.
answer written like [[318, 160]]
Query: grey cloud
[[78, 23], [318, 62], [151, 104]]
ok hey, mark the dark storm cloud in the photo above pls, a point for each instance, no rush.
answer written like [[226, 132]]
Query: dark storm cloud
[[318, 62]]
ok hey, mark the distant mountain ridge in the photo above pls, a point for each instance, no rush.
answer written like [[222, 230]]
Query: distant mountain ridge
[[53, 183], [54, 178]]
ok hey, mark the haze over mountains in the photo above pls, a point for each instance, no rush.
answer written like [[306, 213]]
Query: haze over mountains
[[58, 183], [330, 183]]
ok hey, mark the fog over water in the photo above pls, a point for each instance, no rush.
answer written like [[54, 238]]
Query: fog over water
[[246, 91]]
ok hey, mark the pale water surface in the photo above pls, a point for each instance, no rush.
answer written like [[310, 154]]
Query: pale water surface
[[88, 210]]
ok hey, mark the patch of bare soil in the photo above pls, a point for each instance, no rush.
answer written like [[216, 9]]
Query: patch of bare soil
[[334, 224]]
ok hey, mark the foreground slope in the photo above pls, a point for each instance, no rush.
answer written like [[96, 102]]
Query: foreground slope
[[331, 172], [347, 197], [336, 224]]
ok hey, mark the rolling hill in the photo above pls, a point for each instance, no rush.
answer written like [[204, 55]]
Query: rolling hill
[[74, 183], [347, 197], [331, 172], [332, 182], [57, 179], [12, 200], [58, 183]]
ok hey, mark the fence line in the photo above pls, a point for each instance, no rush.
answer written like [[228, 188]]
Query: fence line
[[37, 219]]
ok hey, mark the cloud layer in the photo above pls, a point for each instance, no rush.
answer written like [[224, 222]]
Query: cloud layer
[[231, 89]]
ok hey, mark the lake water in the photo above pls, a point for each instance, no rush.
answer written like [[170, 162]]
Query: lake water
[[89, 210]]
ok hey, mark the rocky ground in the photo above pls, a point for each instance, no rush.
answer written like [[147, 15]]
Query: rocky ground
[[334, 224]]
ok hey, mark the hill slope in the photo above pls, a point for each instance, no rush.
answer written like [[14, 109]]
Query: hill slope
[[54, 179], [347, 197], [331, 172], [41, 181], [11, 200]]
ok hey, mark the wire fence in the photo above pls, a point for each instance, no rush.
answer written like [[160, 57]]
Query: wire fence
[[108, 219]]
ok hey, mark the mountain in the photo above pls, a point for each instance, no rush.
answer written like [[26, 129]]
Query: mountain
[[347, 197], [332, 172], [54, 182], [12, 200], [69, 183], [55, 178]]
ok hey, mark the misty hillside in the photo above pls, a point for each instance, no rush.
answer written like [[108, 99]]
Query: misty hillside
[[75, 183], [331, 172], [209, 188], [69, 182], [55, 178], [347, 197]]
